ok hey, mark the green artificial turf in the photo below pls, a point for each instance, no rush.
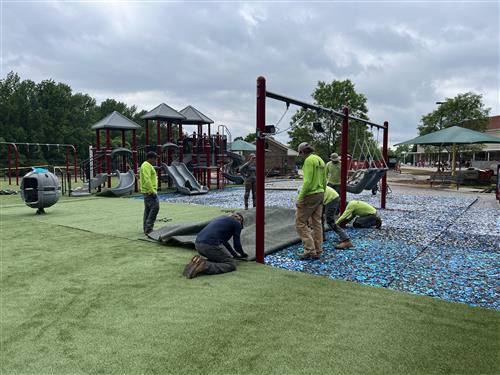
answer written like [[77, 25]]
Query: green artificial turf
[[82, 295]]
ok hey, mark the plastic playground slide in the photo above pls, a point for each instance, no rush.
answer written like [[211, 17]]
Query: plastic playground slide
[[125, 184], [98, 180], [183, 179]]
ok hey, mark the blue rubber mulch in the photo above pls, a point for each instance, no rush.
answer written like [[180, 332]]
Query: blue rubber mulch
[[430, 245]]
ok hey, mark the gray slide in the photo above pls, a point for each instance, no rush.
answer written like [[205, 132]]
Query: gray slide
[[279, 229], [98, 180], [125, 184], [183, 179]]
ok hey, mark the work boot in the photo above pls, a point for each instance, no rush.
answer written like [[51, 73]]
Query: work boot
[[344, 245], [378, 222], [195, 267], [308, 256]]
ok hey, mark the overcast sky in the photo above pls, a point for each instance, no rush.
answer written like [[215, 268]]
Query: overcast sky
[[403, 56]]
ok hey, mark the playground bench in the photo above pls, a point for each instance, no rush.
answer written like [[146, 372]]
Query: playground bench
[[446, 179]]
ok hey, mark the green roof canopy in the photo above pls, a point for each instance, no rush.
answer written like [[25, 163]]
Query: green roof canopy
[[451, 136], [115, 121], [241, 145]]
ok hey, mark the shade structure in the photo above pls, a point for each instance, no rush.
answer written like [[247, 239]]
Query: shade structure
[[116, 121], [164, 112], [452, 136], [241, 145], [194, 117]]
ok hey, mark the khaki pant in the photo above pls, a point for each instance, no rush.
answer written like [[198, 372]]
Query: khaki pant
[[309, 211]]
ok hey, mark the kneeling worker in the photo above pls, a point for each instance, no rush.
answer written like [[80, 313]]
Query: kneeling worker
[[331, 204], [210, 242], [364, 215]]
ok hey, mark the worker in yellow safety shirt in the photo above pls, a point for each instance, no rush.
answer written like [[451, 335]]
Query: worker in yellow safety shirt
[[364, 215], [149, 186]]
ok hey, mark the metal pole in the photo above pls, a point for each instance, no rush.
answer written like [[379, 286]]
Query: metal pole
[[74, 162], [181, 145], [67, 160], [385, 156], [207, 150], [158, 151], [453, 159], [344, 161], [16, 155], [98, 151], [8, 162], [124, 160], [260, 166], [134, 157], [194, 152], [108, 157], [146, 125]]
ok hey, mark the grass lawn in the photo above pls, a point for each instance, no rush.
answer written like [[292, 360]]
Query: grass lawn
[[82, 293]]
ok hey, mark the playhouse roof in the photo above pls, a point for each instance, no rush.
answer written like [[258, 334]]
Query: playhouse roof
[[164, 112], [195, 117], [116, 121]]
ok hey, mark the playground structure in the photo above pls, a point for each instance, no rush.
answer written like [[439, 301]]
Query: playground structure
[[187, 162], [365, 177]]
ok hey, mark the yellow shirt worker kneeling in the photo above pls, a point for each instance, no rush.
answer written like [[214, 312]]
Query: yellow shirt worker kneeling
[[364, 215]]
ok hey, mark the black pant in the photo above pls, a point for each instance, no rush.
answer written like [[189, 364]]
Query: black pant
[[151, 208], [365, 221], [219, 260], [249, 186], [330, 213]]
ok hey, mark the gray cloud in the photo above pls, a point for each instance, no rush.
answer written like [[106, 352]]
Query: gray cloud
[[402, 56]]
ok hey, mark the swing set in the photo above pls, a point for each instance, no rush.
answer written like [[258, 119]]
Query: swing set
[[14, 146], [368, 175]]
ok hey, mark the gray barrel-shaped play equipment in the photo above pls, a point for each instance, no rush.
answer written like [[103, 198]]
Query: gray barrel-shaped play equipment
[[40, 189]]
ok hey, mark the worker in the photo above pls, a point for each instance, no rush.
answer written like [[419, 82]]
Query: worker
[[216, 255], [248, 171], [364, 215], [149, 185], [331, 204], [310, 203], [333, 172]]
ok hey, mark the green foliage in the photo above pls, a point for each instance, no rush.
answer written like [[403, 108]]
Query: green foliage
[[251, 137], [466, 110], [334, 95], [49, 112]]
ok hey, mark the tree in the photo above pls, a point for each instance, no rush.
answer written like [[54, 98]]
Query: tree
[[466, 110], [332, 95], [250, 138]]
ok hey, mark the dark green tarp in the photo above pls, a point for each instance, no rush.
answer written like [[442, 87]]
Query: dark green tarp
[[279, 231]]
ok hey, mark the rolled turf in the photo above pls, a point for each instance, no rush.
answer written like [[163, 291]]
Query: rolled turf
[[81, 294]]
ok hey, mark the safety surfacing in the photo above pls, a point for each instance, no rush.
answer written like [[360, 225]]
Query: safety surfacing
[[437, 246]]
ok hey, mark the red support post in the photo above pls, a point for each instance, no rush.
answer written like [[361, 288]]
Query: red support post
[[108, 157], [16, 156], [209, 171], [134, 157], [158, 151], [217, 159], [98, 151], [75, 168], [181, 144], [146, 127], [344, 161], [67, 160], [8, 162], [194, 152], [260, 166], [124, 161], [169, 139], [385, 156]]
